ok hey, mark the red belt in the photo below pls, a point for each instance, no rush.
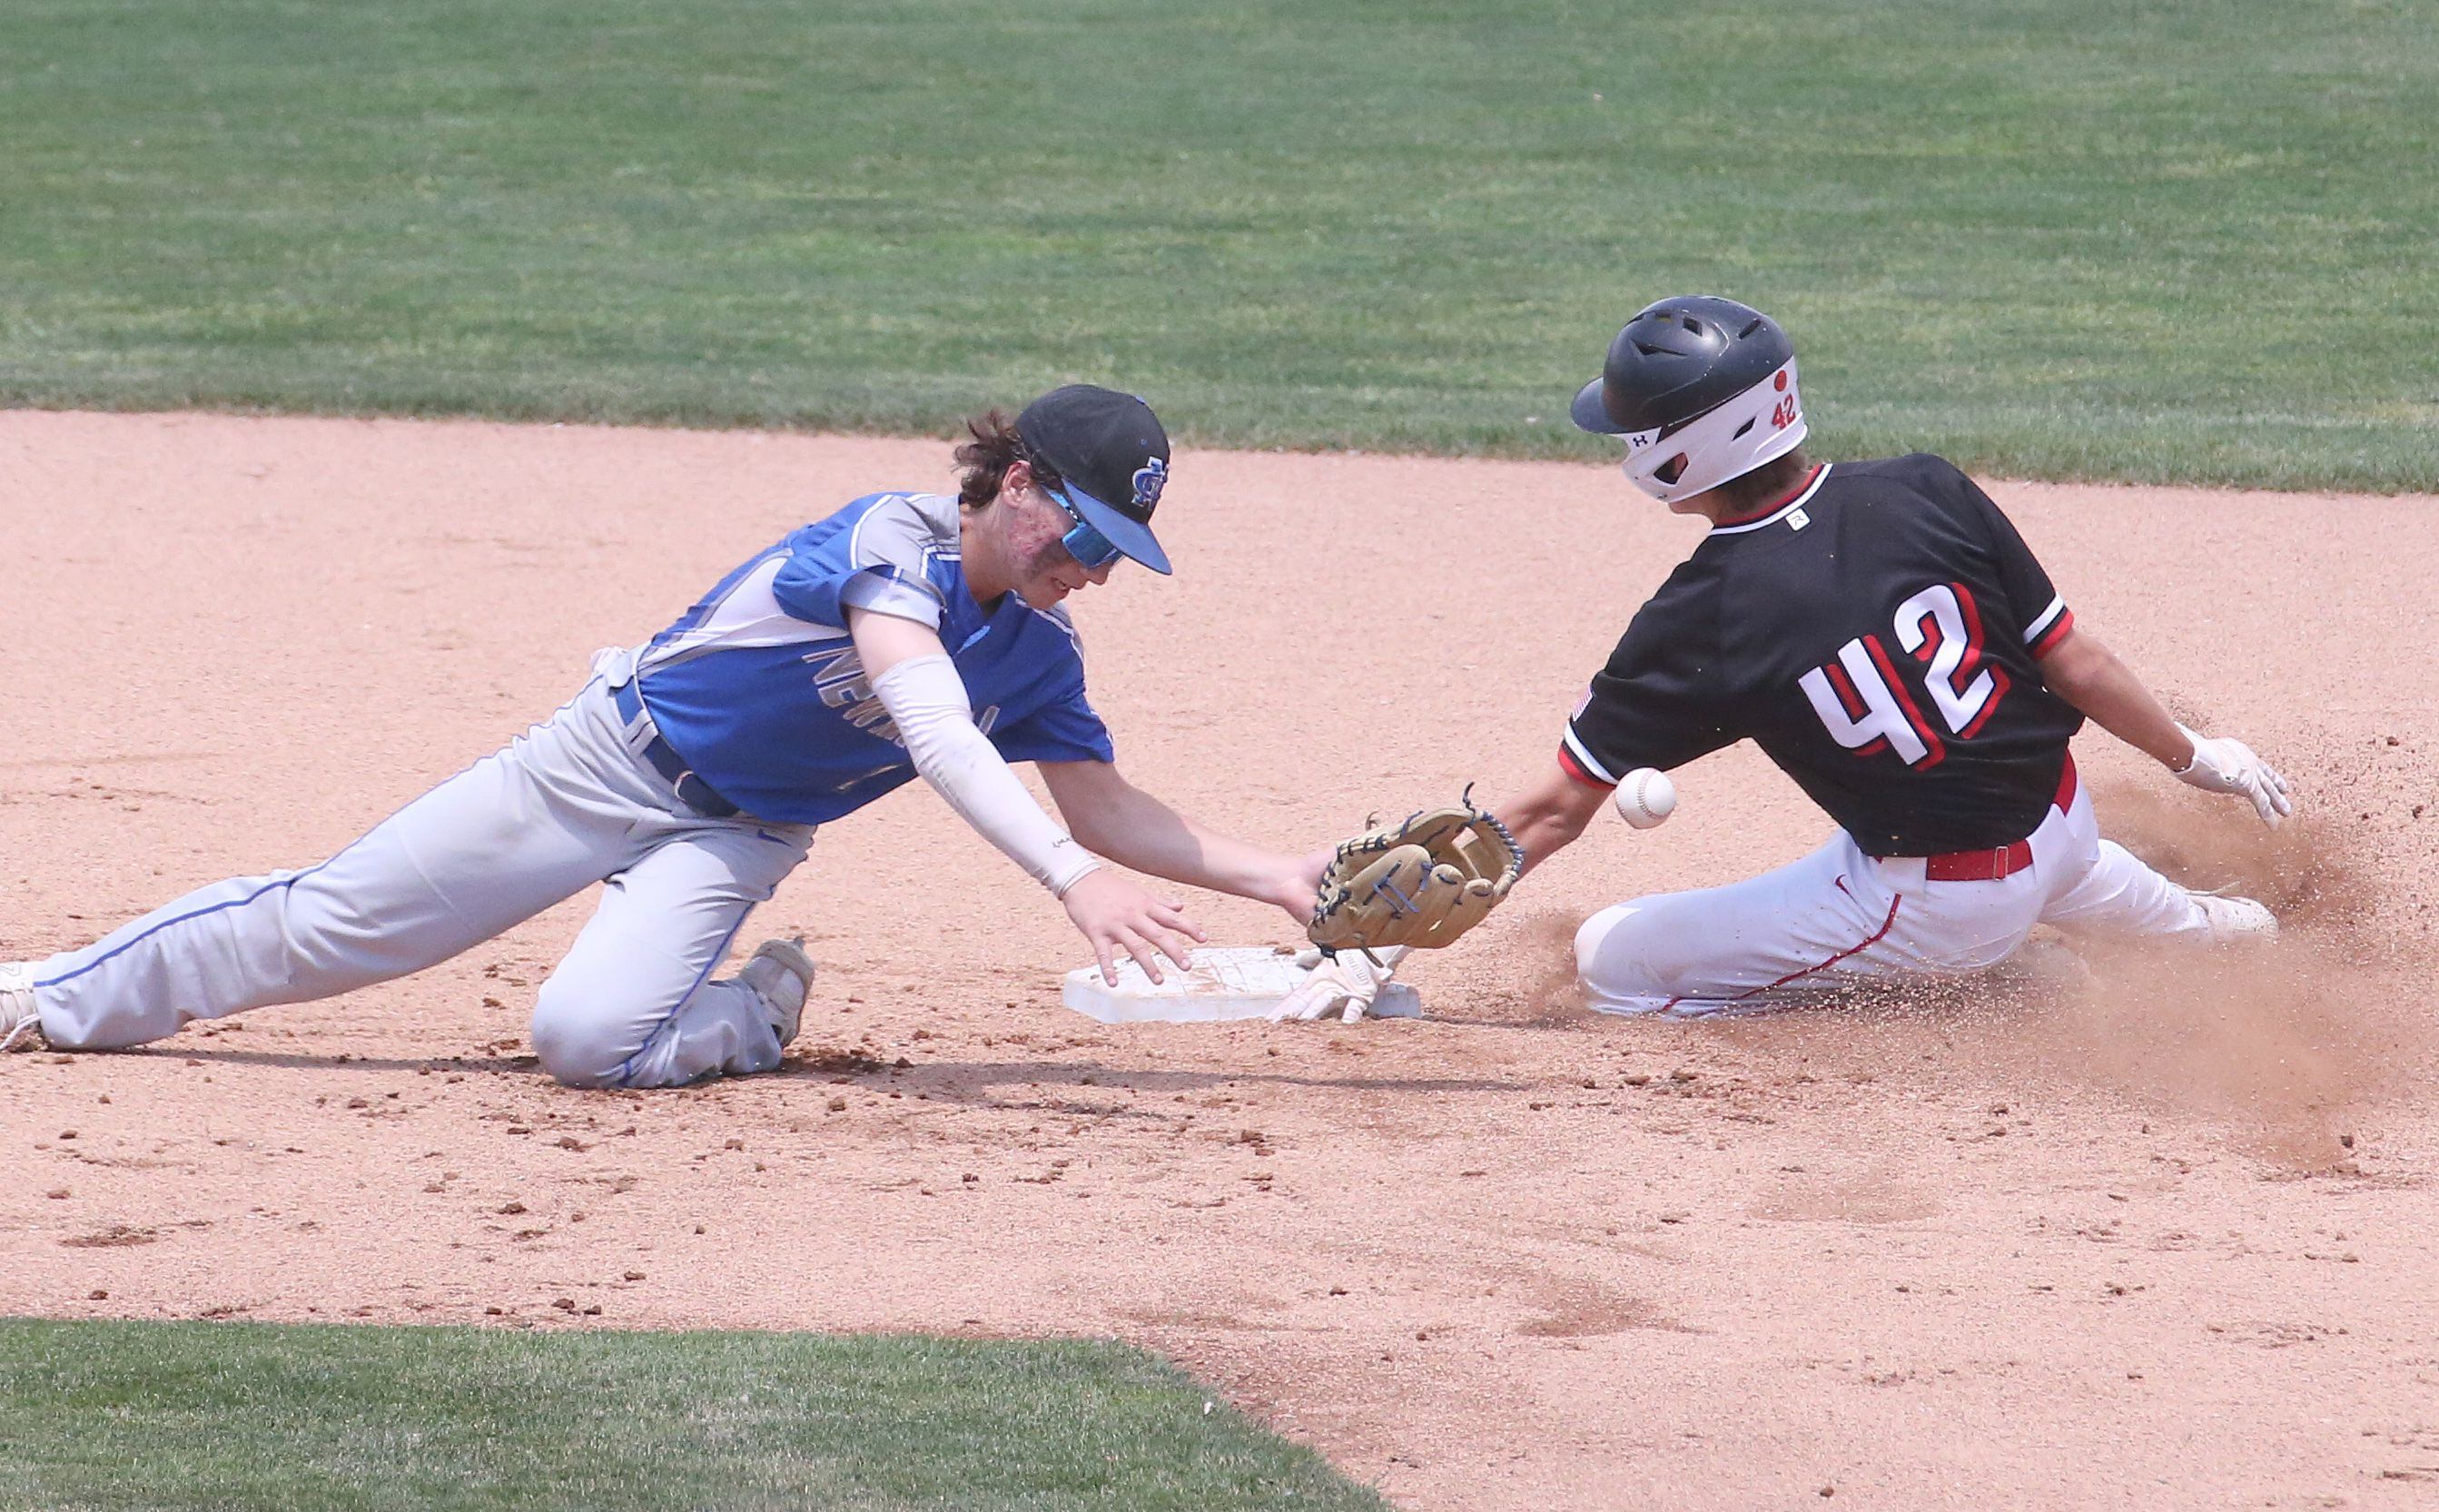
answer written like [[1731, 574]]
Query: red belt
[[1997, 863]]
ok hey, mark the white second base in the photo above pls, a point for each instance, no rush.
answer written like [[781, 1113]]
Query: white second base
[[1227, 981]]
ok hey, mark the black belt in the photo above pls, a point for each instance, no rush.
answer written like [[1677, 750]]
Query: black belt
[[692, 790]]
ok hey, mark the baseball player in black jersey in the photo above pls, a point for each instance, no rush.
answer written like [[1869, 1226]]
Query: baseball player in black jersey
[[1882, 632]]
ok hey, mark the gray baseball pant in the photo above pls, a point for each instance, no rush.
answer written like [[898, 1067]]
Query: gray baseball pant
[[569, 803]]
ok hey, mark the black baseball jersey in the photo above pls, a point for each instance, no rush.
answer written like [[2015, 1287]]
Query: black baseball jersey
[[1876, 635]]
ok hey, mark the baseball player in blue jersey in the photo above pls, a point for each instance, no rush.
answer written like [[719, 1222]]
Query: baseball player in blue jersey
[[907, 634]]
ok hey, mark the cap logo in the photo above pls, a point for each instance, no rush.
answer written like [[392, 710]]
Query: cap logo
[[1150, 479]]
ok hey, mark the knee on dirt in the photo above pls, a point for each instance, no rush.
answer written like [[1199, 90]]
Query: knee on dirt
[[1632, 950], [576, 1046]]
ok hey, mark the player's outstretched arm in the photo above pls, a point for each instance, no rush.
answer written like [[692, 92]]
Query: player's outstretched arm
[[1550, 815], [1542, 820], [1119, 820], [2088, 674], [912, 675]]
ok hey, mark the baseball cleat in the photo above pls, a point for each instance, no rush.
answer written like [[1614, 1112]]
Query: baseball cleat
[[2235, 919], [19, 1019], [780, 974]]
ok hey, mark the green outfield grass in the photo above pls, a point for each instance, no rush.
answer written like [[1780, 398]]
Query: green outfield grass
[[108, 1415], [2185, 241]]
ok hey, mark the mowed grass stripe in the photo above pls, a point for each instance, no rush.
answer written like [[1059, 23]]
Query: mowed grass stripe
[[170, 1415], [2182, 242]]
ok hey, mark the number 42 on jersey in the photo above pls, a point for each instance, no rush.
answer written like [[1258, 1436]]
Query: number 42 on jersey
[[1864, 702]]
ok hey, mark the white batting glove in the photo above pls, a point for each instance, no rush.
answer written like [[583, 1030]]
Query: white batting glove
[[2230, 766], [1348, 984]]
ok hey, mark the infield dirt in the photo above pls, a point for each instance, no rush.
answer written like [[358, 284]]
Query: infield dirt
[[2165, 1244]]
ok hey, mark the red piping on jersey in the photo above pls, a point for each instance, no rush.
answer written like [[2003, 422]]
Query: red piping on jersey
[[1776, 505], [1878, 935], [1972, 661], [2055, 633], [1937, 751], [1568, 764], [1856, 708]]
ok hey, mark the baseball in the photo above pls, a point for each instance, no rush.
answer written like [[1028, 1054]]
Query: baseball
[[1646, 797]]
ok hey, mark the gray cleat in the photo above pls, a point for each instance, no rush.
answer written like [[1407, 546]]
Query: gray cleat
[[780, 974], [19, 1019]]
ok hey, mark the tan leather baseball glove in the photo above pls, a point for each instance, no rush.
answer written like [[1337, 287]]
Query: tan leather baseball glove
[[1423, 882]]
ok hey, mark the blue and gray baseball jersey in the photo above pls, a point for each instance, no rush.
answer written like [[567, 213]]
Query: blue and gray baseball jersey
[[760, 689]]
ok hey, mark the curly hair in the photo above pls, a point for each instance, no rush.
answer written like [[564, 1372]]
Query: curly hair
[[995, 447]]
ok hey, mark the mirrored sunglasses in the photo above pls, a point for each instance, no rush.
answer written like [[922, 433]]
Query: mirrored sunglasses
[[1092, 550]]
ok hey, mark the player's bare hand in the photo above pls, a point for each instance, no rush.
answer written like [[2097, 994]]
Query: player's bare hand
[[2231, 767], [1121, 916], [1298, 889]]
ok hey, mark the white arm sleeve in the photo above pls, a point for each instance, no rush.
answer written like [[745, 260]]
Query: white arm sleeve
[[927, 701]]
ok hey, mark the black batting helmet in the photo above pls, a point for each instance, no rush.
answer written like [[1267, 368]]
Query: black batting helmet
[[1714, 377]]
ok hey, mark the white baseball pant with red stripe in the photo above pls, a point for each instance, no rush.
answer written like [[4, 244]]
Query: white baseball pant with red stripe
[[1839, 917]]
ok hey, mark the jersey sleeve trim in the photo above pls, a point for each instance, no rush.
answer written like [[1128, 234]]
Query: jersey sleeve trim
[[1580, 763], [889, 552], [2050, 629], [884, 590]]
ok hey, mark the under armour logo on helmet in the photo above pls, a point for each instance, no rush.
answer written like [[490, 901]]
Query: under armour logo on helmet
[[1150, 479]]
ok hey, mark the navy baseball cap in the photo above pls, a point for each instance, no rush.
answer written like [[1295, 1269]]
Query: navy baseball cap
[[1111, 460]]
